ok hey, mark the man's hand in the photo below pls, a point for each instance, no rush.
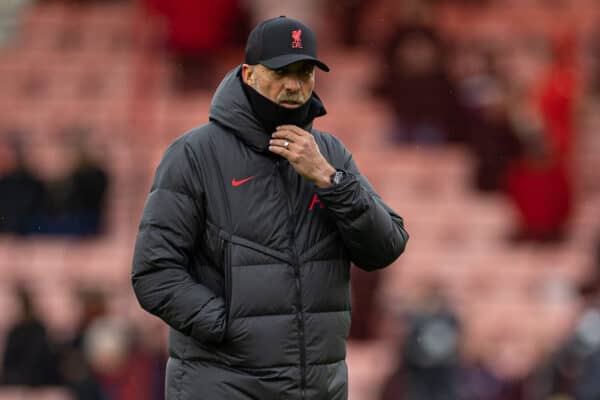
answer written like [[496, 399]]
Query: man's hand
[[301, 150]]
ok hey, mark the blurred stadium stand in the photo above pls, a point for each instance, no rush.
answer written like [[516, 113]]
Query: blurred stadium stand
[[101, 64]]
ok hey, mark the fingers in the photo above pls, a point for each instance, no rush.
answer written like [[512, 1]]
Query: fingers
[[284, 139], [296, 130], [283, 147], [280, 150], [300, 149], [292, 133], [286, 144], [291, 142], [286, 135]]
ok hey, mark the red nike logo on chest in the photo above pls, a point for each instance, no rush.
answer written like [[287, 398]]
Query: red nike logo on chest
[[235, 182]]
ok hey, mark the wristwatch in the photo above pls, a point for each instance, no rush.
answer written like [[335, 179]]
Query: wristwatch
[[337, 177]]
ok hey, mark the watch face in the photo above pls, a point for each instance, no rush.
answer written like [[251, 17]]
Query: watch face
[[338, 176]]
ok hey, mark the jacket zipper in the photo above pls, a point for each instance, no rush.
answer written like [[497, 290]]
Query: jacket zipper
[[298, 283]]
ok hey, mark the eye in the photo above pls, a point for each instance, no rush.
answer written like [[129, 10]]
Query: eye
[[280, 72]]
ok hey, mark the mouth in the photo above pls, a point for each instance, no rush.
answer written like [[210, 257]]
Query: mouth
[[290, 104]]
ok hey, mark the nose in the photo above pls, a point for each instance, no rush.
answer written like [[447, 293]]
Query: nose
[[292, 83]]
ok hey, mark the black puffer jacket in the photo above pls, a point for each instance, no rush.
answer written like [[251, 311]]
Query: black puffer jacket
[[249, 263]]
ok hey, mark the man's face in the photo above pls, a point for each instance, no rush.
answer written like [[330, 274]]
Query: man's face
[[290, 86]]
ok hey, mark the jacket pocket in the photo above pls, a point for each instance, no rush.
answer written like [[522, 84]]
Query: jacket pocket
[[226, 259]]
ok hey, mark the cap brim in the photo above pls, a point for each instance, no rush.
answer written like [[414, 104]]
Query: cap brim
[[287, 59]]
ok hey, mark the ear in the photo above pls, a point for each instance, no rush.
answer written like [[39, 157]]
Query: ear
[[248, 74]]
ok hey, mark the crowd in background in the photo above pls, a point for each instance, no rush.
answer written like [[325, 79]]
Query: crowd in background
[[440, 89], [521, 130], [70, 200], [104, 358], [432, 364]]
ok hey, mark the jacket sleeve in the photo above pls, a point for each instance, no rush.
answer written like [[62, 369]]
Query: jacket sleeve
[[372, 232], [172, 220]]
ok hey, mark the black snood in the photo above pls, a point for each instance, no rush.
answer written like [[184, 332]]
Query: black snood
[[271, 115]]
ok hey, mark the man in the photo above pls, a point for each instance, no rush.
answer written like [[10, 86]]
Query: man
[[22, 193], [248, 232]]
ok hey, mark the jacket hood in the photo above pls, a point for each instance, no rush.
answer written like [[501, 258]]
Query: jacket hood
[[231, 108]]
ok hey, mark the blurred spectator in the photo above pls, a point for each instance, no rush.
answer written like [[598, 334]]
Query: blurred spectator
[[558, 97], [571, 372], [21, 191], [106, 359], [489, 132], [78, 377], [415, 83], [75, 203], [541, 193], [197, 30], [430, 353], [479, 382], [93, 307], [29, 358], [126, 369], [106, 346], [76, 370], [586, 341], [539, 184]]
